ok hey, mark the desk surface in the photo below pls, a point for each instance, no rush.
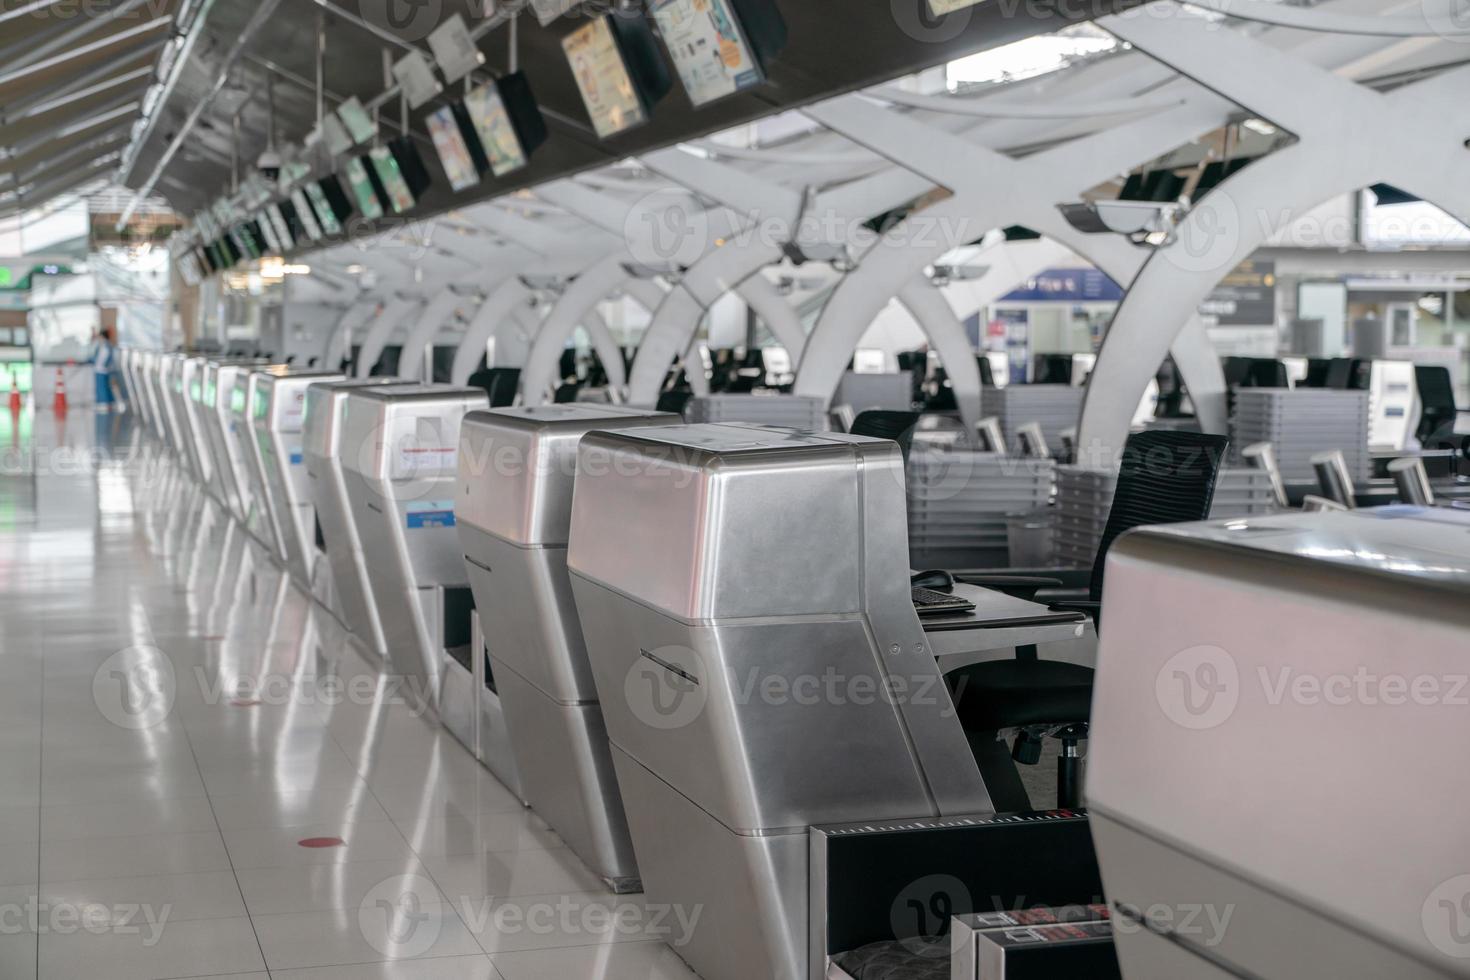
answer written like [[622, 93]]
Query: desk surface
[[998, 621]]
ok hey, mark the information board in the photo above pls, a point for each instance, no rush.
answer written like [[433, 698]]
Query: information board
[[603, 78], [710, 51], [497, 135]]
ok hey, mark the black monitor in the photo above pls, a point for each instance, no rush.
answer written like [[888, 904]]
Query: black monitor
[[505, 125], [367, 189], [293, 222], [1052, 369], [619, 72], [336, 198], [460, 154], [719, 47]]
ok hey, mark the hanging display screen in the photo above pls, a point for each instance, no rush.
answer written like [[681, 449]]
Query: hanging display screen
[[391, 176], [268, 232], [363, 190], [454, 152], [604, 79], [496, 131], [283, 230], [708, 45], [306, 216], [325, 216]]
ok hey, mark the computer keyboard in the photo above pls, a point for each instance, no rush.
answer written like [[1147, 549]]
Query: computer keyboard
[[929, 602]]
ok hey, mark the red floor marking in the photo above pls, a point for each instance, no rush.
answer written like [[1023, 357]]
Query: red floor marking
[[321, 842]]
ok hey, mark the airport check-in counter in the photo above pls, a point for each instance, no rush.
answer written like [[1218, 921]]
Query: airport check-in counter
[[222, 378], [722, 575], [326, 404], [192, 403], [169, 384], [517, 472], [246, 404], [280, 416], [152, 368], [399, 450], [1278, 733]]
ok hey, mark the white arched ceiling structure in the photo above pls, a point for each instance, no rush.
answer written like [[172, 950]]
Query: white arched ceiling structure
[[992, 190], [399, 311], [495, 312], [437, 316], [1348, 137], [339, 341], [580, 298]]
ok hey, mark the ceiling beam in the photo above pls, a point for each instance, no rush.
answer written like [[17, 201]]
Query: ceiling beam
[[20, 107], [13, 73]]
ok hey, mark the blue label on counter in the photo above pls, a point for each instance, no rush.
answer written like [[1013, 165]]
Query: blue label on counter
[[430, 514], [297, 459]]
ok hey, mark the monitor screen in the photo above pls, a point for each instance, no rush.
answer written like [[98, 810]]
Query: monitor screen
[[355, 119], [325, 215], [709, 48], [604, 79], [363, 190], [336, 198], [268, 232], [240, 239], [454, 152], [494, 127], [391, 176], [283, 231], [306, 216]]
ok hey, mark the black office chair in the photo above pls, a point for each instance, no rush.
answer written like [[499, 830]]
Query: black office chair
[[567, 393], [898, 426], [987, 371], [674, 401], [499, 383], [1166, 477], [1339, 374], [1437, 392]]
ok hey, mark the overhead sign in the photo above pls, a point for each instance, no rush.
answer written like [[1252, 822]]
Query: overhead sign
[[602, 76], [549, 10], [338, 140], [1245, 298], [709, 48], [359, 125], [416, 77], [1079, 285], [454, 49]]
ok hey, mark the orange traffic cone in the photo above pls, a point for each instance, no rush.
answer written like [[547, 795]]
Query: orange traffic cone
[[14, 396], [59, 403]]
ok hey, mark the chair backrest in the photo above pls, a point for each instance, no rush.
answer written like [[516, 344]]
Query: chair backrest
[[499, 383], [878, 424], [567, 393], [1437, 392], [1166, 477], [1339, 374], [987, 371], [674, 401]]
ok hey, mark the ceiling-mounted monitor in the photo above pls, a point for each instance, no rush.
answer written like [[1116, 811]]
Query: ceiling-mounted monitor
[[190, 268], [453, 149], [618, 69], [268, 232], [283, 230], [401, 172], [230, 252], [206, 259], [306, 216], [326, 212], [366, 190], [294, 224], [355, 119], [254, 238], [507, 122], [719, 46]]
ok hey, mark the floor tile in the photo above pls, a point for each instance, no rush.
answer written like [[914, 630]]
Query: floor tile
[[619, 961], [104, 857], [371, 933], [176, 950]]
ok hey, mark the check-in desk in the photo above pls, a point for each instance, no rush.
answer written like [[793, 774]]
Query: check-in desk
[[1278, 733], [517, 472], [400, 448], [222, 380], [192, 403], [326, 404], [744, 594], [152, 368], [170, 383], [280, 416], [246, 405]]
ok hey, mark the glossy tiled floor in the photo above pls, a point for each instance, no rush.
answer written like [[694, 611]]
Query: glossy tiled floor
[[175, 719]]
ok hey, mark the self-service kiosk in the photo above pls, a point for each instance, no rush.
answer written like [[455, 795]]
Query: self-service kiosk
[[169, 385], [326, 403], [191, 402], [246, 406], [1278, 732], [517, 470], [726, 578], [278, 424], [222, 381], [399, 450]]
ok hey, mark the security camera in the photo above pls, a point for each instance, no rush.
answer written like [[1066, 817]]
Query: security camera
[[269, 165], [1144, 222]]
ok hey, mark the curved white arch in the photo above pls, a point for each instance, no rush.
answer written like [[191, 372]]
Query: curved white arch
[[394, 313], [1440, 23], [340, 340], [486, 323], [990, 190], [608, 350], [947, 336], [987, 109], [585, 292], [1416, 146], [423, 333]]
